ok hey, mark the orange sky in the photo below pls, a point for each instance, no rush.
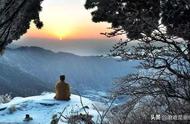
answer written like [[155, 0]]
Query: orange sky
[[66, 20], [68, 28]]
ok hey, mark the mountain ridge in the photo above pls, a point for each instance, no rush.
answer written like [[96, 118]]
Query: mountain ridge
[[83, 73]]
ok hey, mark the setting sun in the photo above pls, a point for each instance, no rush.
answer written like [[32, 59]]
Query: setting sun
[[62, 22], [61, 32], [61, 35]]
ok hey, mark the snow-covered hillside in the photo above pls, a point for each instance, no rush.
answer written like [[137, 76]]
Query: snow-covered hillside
[[19, 83], [42, 108]]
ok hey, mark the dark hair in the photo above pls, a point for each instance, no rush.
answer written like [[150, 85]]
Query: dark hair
[[27, 116], [62, 77]]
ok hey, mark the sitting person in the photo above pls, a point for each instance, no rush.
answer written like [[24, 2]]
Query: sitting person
[[62, 89], [27, 118]]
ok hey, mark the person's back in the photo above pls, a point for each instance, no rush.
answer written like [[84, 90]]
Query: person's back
[[62, 89]]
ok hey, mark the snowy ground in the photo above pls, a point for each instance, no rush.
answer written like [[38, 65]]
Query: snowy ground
[[41, 108]]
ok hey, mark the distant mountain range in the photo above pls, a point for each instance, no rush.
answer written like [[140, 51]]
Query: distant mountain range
[[17, 82], [30, 70]]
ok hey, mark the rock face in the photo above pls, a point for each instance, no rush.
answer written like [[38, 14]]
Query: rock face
[[15, 18]]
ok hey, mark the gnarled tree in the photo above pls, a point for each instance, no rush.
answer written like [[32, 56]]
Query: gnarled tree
[[160, 33], [15, 18]]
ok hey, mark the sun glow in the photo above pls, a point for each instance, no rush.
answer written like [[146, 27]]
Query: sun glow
[[65, 20], [61, 35]]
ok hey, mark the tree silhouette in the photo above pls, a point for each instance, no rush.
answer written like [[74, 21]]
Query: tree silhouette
[[15, 18], [126, 15], [158, 34]]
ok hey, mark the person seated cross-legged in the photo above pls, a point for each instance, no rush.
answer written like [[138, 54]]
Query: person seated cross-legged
[[62, 89]]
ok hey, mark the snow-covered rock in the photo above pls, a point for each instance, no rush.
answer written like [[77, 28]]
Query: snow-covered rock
[[42, 108]]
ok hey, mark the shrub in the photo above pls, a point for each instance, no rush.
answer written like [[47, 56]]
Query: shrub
[[5, 98]]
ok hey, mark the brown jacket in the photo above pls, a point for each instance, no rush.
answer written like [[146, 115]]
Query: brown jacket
[[62, 91]]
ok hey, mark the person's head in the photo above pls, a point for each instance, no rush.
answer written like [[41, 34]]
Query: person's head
[[27, 116], [62, 77]]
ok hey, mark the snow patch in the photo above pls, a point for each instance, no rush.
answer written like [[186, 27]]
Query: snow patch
[[42, 108]]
